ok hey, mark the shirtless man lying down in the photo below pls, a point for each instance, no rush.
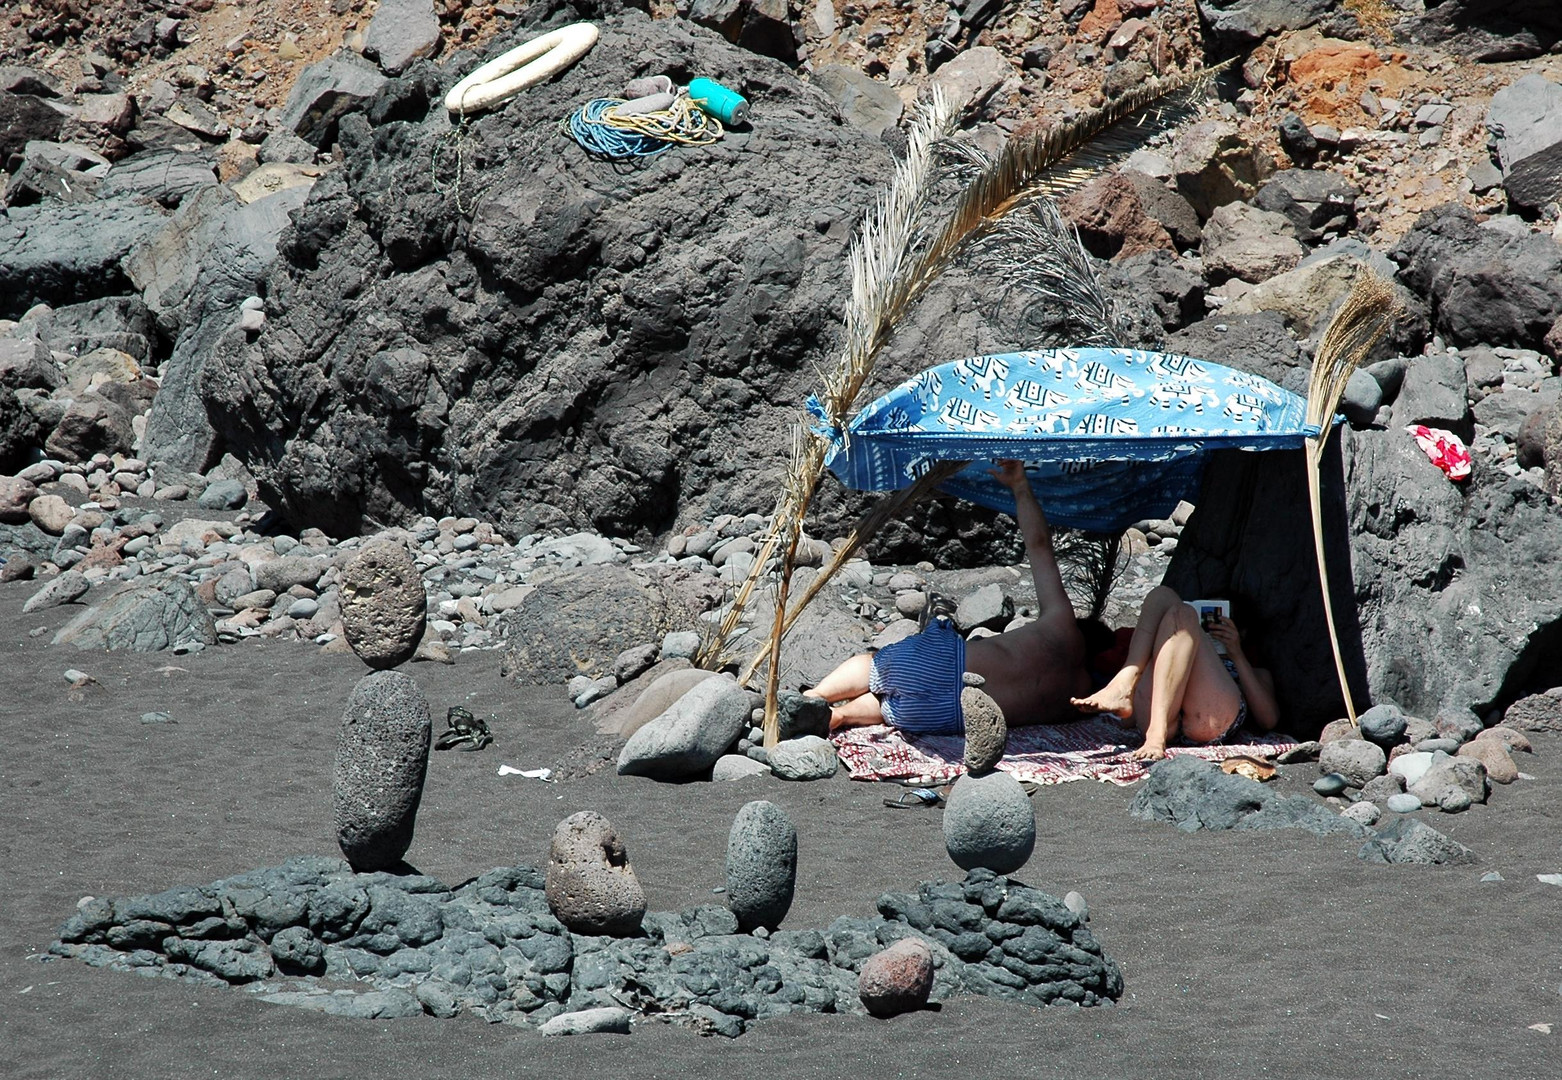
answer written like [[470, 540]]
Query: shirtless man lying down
[[1032, 672]]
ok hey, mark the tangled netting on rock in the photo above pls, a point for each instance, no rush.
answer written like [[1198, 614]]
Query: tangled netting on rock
[[313, 933]]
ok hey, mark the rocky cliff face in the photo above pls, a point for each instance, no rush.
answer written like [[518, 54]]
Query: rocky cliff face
[[583, 343]]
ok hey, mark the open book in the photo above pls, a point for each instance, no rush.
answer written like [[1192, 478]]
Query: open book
[[1208, 611]]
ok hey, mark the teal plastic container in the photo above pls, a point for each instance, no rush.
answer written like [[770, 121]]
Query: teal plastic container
[[725, 105]]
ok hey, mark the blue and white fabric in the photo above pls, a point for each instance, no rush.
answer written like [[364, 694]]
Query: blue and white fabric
[[918, 681], [1108, 436]]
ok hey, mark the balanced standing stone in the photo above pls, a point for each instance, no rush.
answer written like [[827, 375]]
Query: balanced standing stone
[[591, 887], [383, 604], [761, 865], [897, 980], [986, 731], [989, 822], [381, 758]]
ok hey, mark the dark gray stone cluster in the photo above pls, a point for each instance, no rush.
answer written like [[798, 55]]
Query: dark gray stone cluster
[[1194, 794], [491, 947]]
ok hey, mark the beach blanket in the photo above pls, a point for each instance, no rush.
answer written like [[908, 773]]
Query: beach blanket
[[1089, 749]]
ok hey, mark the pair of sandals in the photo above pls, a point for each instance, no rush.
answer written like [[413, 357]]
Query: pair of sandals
[[463, 731]]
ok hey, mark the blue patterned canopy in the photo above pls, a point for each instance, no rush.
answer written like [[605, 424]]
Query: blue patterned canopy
[[1108, 436]]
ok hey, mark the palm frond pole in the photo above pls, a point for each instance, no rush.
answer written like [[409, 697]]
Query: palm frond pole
[[1356, 327], [888, 278]]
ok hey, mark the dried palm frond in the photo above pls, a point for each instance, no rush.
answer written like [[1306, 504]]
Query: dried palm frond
[[888, 507], [1037, 250], [1091, 564], [1361, 320], [878, 258]]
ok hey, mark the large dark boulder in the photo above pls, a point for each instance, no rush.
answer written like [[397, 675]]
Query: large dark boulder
[[559, 341], [61, 253], [1488, 30], [1449, 595], [1491, 283]]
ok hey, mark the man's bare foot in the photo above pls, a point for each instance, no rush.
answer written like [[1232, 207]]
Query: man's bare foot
[[1116, 697], [1148, 752]]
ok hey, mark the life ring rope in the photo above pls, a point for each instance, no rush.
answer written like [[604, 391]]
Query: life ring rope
[[527, 64]]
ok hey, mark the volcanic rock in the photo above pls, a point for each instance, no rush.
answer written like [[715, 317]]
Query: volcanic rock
[[163, 613], [591, 886], [897, 980], [326, 91], [400, 32], [381, 758], [986, 731], [1449, 774], [383, 604], [67, 588], [761, 865], [1537, 712], [1410, 841], [1357, 760], [578, 621], [688, 738], [1315, 201], [1526, 120], [1383, 724], [989, 822], [1246, 242], [1494, 756]]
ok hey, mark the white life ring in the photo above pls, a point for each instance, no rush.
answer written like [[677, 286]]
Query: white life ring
[[525, 65]]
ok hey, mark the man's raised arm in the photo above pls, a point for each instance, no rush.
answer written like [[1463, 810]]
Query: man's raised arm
[[1051, 597]]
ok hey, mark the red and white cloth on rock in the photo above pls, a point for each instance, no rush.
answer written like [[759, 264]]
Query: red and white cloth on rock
[[1443, 448]]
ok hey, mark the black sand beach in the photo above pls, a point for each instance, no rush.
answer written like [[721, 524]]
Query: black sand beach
[[1242, 953]]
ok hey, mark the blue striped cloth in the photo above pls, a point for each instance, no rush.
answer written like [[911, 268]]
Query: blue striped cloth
[[918, 681], [1108, 436]]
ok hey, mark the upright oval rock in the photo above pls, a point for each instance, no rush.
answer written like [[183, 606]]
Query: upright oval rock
[[383, 604], [381, 759], [989, 822], [591, 887], [986, 732], [761, 865]]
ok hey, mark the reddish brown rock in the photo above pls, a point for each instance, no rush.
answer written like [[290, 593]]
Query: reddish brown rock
[[1514, 739], [1491, 753], [1112, 221], [1339, 729], [15, 494], [1538, 712], [897, 980]]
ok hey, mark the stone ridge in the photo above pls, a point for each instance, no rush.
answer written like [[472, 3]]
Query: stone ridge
[[492, 947]]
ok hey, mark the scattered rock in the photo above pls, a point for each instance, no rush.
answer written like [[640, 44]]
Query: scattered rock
[[381, 758], [1316, 202], [807, 758], [324, 92], [799, 715], [1446, 775], [67, 588], [989, 822], [384, 606], [990, 607], [1363, 813], [51, 513], [737, 767], [1537, 712], [223, 495], [1381, 788], [607, 1020], [1525, 118], [144, 617], [1243, 241], [400, 32], [1494, 756], [591, 886], [898, 979], [1407, 840], [579, 620], [761, 865], [1331, 783], [1215, 165], [688, 738], [1383, 724], [1357, 760], [865, 102], [1403, 803]]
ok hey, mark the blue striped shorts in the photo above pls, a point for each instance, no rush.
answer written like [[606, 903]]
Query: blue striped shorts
[[918, 681]]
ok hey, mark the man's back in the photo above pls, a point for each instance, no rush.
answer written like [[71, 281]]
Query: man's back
[[1032, 672]]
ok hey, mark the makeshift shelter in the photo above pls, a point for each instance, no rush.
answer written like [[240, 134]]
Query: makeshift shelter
[[1108, 436]]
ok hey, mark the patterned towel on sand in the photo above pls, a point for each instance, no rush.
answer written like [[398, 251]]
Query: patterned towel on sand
[[1091, 749]]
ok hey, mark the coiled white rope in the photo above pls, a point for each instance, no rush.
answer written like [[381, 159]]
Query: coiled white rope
[[537, 60]]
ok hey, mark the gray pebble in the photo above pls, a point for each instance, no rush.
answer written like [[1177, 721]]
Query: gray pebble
[[1329, 784]]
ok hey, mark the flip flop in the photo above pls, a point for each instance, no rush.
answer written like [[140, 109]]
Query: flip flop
[[914, 797]]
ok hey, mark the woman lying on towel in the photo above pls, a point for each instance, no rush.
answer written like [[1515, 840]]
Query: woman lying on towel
[[1032, 672], [1192, 690]]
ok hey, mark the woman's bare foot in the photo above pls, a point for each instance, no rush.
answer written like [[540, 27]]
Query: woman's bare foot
[[1148, 752], [1116, 697]]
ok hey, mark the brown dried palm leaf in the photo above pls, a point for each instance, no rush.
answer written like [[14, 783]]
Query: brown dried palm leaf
[[1357, 326]]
